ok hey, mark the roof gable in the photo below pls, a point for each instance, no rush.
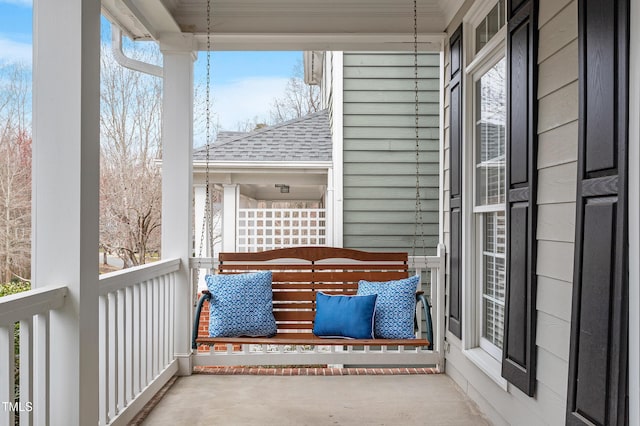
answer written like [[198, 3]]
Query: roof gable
[[303, 139]]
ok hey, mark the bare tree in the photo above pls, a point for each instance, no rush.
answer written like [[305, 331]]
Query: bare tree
[[251, 125], [130, 190], [15, 174], [200, 116], [299, 99]]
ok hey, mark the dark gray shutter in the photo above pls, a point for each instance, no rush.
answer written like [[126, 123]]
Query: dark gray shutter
[[455, 174], [597, 391], [519, 351]]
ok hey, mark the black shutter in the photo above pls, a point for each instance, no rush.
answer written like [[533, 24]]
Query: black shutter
[[455, 174], [597, 390], [519, 351]]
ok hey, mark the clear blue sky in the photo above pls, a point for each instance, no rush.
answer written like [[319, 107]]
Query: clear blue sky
[[244, 83]]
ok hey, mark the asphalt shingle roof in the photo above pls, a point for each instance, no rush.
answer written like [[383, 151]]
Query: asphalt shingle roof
[[303, 139]]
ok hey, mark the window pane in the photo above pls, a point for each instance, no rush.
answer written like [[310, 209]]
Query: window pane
[[493, 329], [481, 35], [501, 232], [490, 25], [494, 232], [490, 136]]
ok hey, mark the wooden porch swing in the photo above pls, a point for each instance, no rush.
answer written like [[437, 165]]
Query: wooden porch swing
[[299, 274]]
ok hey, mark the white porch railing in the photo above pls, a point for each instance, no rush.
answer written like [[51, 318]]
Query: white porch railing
[[266, 229], [431, 268], [136, 335], [136, 331], [136, 338], [31, 310], [432, 271]]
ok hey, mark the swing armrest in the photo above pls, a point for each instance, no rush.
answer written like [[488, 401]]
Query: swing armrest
[[426, 307], [206, 296]]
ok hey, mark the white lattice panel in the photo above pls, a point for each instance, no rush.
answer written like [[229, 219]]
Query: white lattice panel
[[266, 229]]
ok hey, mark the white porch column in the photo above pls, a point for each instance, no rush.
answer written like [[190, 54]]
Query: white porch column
[[329, 209], [66, 153], [177, 147], [338, 153], [201, 244], [230, 200], [199, 204]]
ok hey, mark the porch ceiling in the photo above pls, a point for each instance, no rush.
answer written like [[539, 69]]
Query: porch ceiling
[[296, 192], [288, 24]]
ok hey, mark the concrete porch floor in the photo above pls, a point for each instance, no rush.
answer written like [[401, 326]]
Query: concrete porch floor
[[423, 399]]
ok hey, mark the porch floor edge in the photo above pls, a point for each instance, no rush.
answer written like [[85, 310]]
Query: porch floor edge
[[315, 371]]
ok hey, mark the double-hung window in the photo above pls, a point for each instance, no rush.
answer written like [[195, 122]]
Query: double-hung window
[[489, 205], [485, 183], [493, 211]]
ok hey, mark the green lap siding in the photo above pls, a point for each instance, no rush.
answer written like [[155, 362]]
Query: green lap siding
[[379, 150]]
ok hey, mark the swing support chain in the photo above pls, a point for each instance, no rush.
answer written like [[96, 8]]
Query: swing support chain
[[207, 223], [419, 221]]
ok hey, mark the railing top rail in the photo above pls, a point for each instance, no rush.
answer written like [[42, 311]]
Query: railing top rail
[[24, 305], [281, 209], [422, 262], [117, 280], [203, 262]]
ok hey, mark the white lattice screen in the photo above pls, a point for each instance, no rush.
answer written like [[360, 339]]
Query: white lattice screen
[[265, 229]]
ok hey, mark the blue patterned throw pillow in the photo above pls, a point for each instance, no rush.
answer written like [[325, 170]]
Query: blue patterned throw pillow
[[395, 308], [241, 305], [344, 316]]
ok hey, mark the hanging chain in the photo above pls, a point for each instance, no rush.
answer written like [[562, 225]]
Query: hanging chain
[[207, 223], [313, 65], [208, 192], [419, 223]]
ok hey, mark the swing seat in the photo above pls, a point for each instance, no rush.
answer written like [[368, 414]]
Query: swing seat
[[298, 274]]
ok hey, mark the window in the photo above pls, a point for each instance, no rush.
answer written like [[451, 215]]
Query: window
[[490, 25], [489, 207], [495, 230], [484, 214]]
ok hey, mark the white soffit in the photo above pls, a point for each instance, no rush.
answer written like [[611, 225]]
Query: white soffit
[[450, 8], [289, 24]]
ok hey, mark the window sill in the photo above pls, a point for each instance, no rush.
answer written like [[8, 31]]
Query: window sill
[[488, 364]]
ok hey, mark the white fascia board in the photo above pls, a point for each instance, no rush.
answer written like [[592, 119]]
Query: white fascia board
[[140, 20], [154, 16], [159, 15], [430, 42], [118, 19], [258, 166]]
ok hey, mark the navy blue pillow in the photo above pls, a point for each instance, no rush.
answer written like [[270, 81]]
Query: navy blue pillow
[[344, 316]]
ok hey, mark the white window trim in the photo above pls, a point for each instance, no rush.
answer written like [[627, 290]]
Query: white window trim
[[489, 208], [475, 16], [476, 64], [488, 365]]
